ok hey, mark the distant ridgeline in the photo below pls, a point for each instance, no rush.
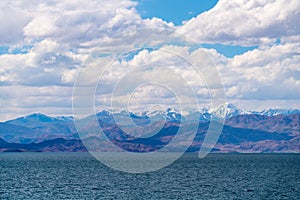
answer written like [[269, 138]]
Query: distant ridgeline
[[273, 130]]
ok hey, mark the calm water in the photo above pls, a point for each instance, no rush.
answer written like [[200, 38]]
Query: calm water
[[218, 176]]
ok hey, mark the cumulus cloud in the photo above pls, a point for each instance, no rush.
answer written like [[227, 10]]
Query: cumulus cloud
[[246, 22], [82, 24], [61, 34], [19, 100], [267, 73], [12, 22], [36, 68], [271, 73], [58, 37]]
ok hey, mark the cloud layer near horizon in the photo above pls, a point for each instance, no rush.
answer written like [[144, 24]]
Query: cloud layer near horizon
[[48, 41]]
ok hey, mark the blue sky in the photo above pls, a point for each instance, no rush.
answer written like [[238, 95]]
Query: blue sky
[[228, 50], [178, 11], [3, 49], [254, 45], [175, 11], [17, 50]]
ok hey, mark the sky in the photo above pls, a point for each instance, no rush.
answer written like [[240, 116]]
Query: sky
[[44, 45], [175, 11]]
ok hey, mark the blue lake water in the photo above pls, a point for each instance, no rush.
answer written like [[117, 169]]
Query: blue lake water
[[218, 176]]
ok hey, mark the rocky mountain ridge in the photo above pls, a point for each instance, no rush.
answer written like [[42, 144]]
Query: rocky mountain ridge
[[272, 131]]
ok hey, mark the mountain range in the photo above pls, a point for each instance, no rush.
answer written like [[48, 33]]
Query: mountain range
[[274, 130]]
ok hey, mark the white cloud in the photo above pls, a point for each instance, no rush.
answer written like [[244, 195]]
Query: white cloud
[[246, 22], [19, 100], [41, 26], [39, 67], [269, 73], [12, 21], [59, 36], [81, 24], [159, 68]]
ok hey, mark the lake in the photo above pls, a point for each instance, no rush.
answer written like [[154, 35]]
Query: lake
[[218, 176]]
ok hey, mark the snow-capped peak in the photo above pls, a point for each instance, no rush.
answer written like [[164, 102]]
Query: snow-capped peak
[[227, 110], [277, 111]]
